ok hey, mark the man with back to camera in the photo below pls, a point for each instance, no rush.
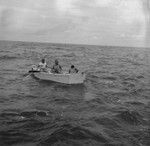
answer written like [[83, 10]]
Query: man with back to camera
[[73, 69], [57, 68]]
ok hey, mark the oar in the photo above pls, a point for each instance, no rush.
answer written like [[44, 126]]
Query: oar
[[30, 73], [26, 76]]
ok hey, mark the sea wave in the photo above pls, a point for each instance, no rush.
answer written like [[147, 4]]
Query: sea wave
[[111, 108]]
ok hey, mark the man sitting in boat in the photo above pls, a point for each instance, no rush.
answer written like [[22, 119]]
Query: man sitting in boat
[[42, 65], [56, 67], [73, 69]]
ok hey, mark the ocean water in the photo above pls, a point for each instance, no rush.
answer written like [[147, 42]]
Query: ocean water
[[111, 108]]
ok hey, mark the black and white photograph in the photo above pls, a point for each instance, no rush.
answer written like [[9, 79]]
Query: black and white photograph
[[74, 72]]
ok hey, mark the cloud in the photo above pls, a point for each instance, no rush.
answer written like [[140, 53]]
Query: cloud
[[68, 7], [103, 3], [103, 21], [17, 19], [146, 10]]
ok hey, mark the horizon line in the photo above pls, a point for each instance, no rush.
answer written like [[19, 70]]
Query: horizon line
[[75, 44]]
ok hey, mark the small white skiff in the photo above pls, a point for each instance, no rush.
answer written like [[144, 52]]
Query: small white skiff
[[66, 78]]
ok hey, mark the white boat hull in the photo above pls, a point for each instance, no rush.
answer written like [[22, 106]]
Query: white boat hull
[[77, 78]]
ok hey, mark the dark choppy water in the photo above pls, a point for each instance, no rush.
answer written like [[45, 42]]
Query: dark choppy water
[[112, 108]]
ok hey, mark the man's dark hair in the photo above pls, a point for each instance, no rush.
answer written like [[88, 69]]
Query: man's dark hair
[[72, 66], [43, 60]]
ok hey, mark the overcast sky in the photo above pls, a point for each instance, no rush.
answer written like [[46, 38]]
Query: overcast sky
[[100, 22]]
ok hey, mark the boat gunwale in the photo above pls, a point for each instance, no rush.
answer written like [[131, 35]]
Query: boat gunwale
[[67, 75]]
